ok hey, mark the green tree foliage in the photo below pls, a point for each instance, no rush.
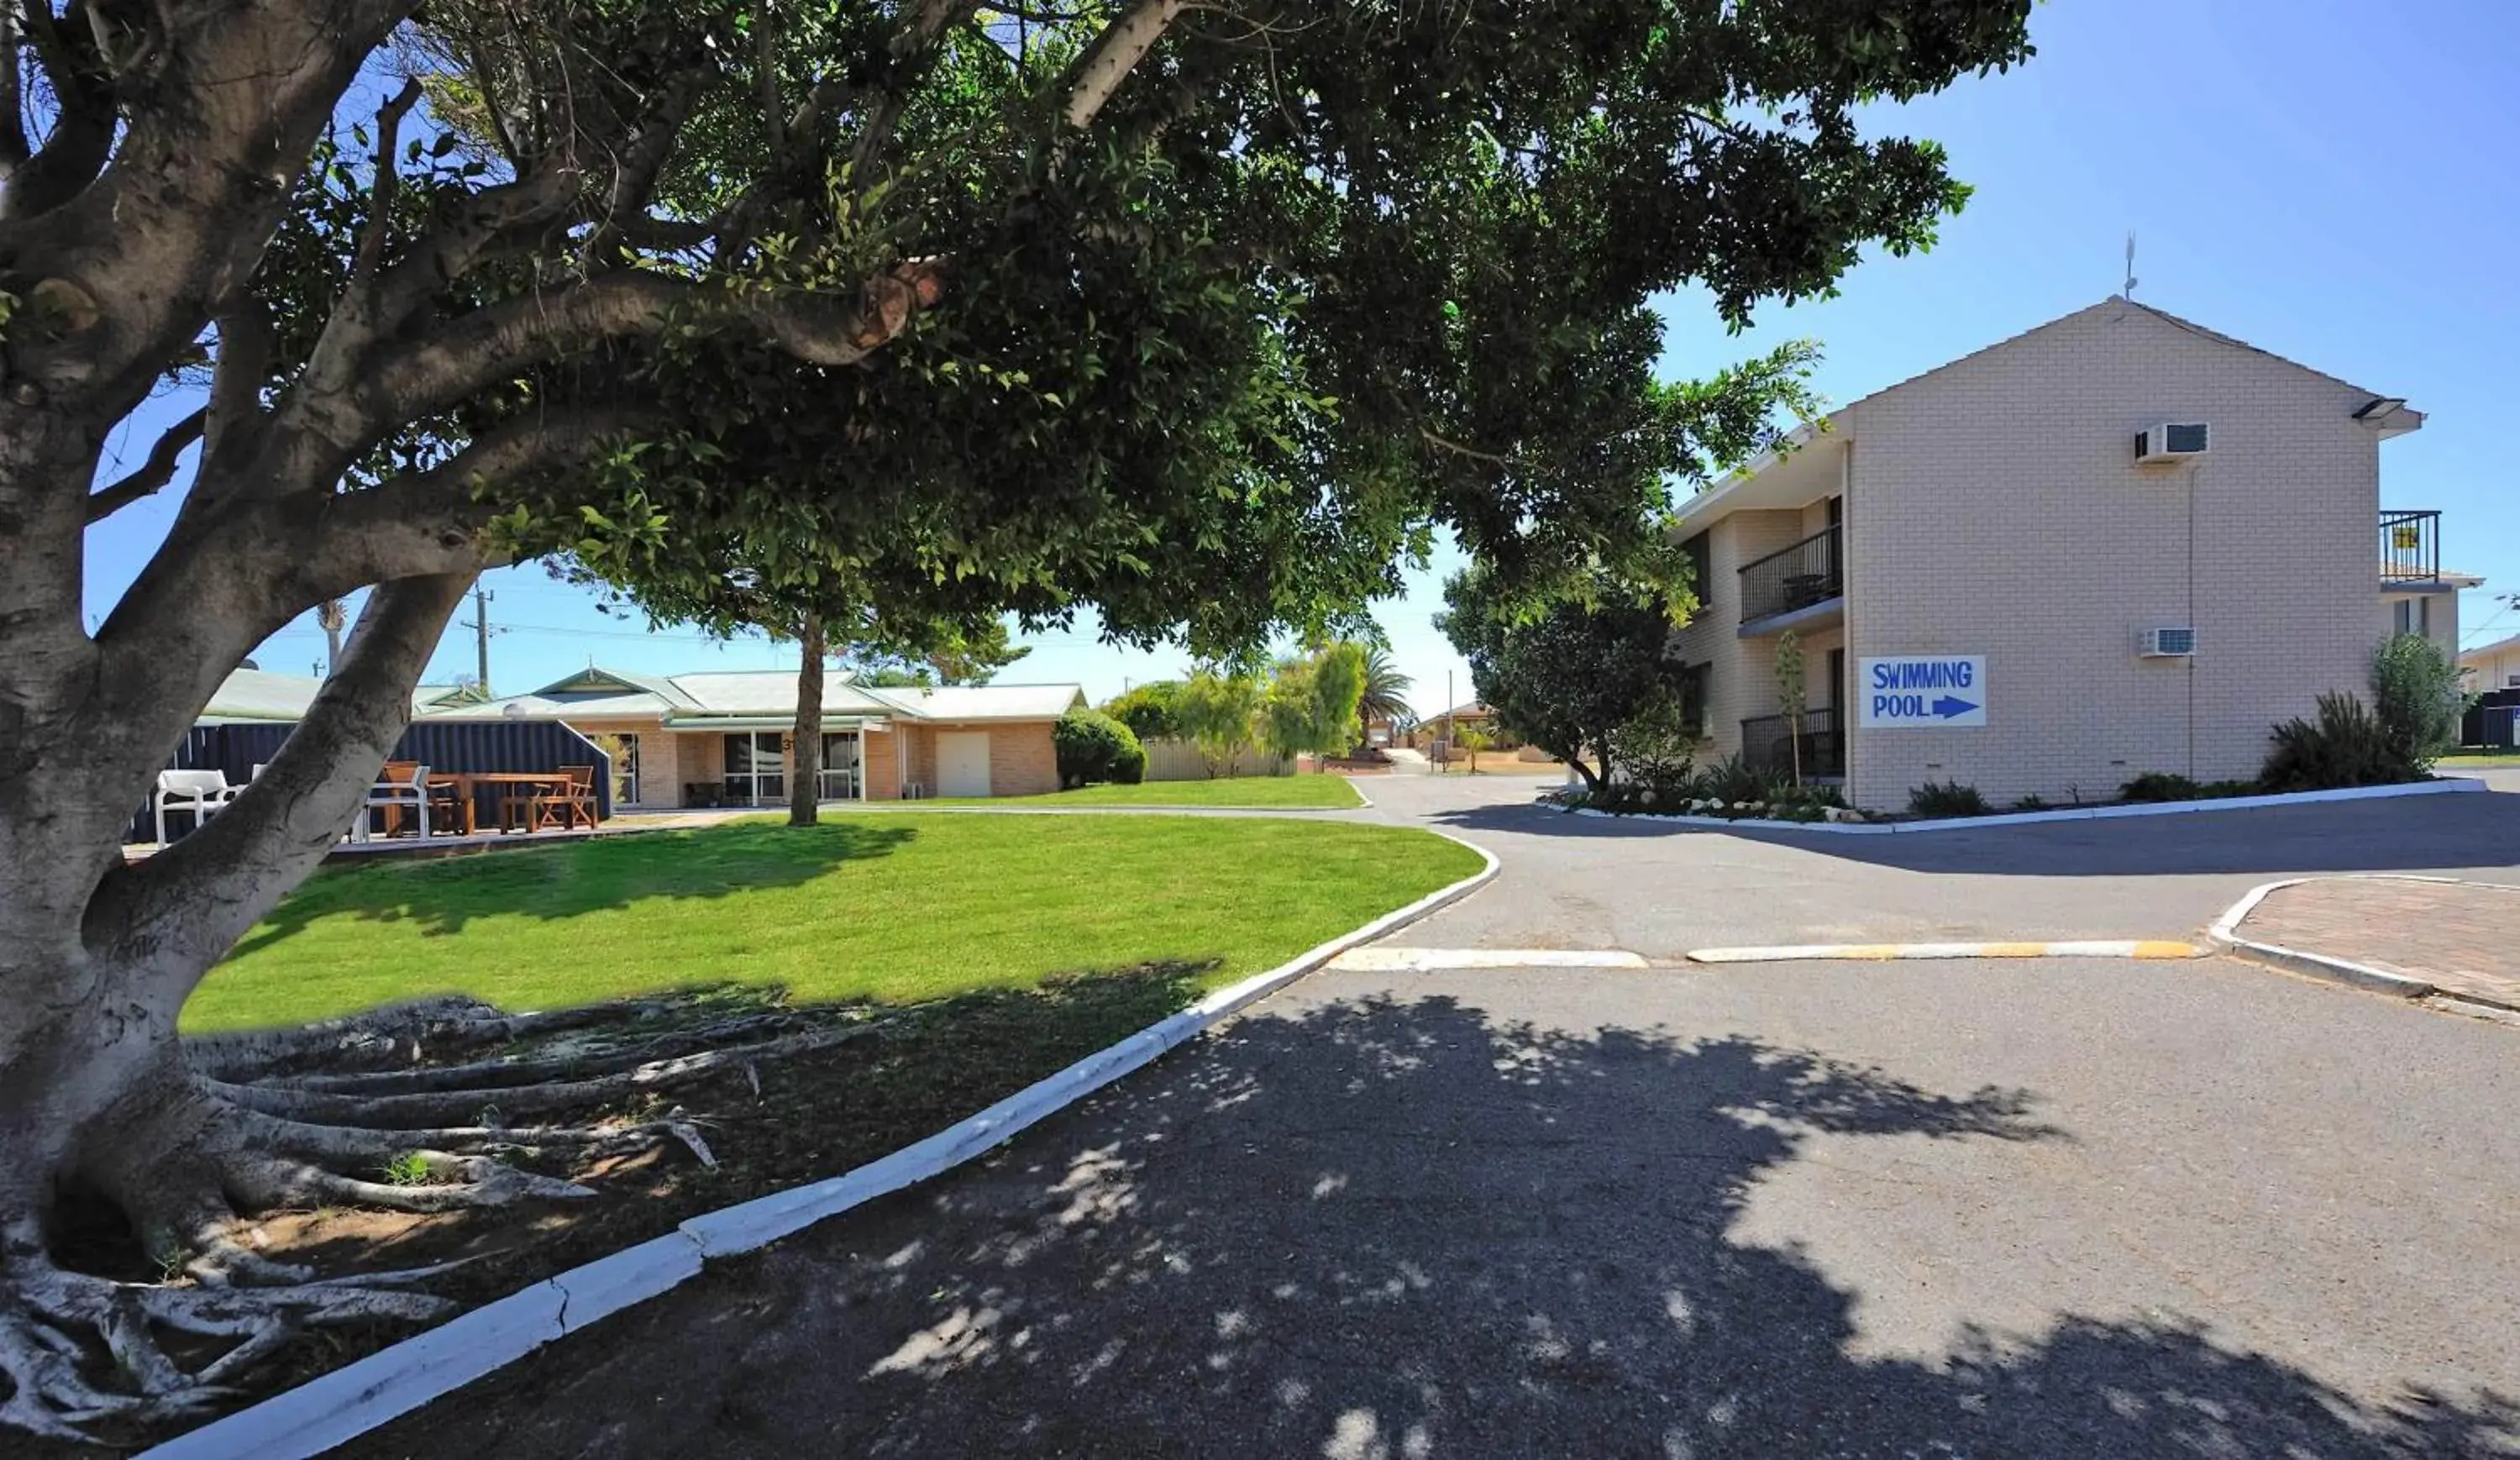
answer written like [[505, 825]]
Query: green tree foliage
[[1385, 696], [2417, 695], [1092, 746], [1201, 317], [1310, 707], [1217, 709], [1567, 675], [1150, 710], [937, 653]]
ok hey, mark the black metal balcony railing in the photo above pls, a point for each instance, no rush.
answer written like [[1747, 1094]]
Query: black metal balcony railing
[[1768, 744], [2410, 547], [1811, 571]]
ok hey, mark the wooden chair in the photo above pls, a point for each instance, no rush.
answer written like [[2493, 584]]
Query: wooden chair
[[575, 803], [553, 808]]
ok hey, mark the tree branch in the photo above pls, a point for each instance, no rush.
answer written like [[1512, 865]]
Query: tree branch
[[182, 907], [153, 474], [381, 197], [1107, 61], [494, 344], [82, 136]]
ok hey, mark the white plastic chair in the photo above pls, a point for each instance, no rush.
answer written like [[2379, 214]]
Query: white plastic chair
[[200, 792], [397, 794]]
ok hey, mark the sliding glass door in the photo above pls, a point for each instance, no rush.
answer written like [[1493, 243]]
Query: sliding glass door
[[756, 769], [841, 768]]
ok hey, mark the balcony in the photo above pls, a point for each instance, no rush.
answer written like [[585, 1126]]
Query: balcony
[[1802, 586], [2411, 550], [1768, 745]]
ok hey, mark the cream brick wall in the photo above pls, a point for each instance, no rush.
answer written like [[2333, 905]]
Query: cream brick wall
[[2435, 613], [2494, 671], [1741, 682], [1995, 508]]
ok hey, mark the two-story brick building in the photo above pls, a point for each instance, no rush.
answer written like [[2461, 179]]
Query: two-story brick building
[[2117, 543]]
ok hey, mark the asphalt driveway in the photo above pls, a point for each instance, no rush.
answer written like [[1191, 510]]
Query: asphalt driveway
[[2046, 1209]]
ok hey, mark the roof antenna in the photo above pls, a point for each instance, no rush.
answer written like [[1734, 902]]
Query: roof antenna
[[2128, 294]]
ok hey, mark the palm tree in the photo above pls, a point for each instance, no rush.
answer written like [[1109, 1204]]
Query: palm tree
[[1384, 687]]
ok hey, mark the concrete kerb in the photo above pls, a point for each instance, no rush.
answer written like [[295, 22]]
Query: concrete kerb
[[2451, 786], [351, 1401], [2139, 949], [2225, 932]]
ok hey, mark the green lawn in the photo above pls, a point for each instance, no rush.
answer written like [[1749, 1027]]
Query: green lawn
[[868, 905], [1267, 791], [2481, 760]]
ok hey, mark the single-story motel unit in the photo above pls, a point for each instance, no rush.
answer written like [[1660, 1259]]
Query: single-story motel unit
[[2117, 543], [725, 739]]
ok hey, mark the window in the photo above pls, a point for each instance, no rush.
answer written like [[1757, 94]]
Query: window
[[1700, 570], [2412, 615], [840, 766], [756, 769], [2511, 681], [1836, 680], [625, 770], [1693, 699]]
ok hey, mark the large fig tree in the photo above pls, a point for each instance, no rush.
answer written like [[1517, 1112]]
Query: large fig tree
[[1202, 315]]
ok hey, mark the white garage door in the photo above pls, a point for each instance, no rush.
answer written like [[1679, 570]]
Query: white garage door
[[963, 763]]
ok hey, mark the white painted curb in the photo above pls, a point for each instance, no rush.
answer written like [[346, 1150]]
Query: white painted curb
[[351, 1401], [2226, 931], [2448, 787], [1895, 952], [1430, 960]]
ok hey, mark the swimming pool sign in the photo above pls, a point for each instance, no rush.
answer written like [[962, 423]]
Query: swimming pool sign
[[1921, 691]]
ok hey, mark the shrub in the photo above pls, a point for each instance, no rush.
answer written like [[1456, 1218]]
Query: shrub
[[2416, 699], [2345, 745], [1947, 798], [1129, 767], [2160, 785], [1092, 746], [1655, 751], [1732, 779], [2222, 789], [1151, 710], [2031, 803]]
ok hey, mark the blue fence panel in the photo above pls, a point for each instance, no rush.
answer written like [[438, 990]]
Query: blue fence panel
[[525, 745]]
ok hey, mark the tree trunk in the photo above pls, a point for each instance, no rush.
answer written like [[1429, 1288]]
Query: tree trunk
[[805, 764]]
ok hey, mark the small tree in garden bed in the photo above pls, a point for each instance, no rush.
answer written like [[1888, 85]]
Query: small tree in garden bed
[[1217, 709], [1310, 707], [1793, 693]]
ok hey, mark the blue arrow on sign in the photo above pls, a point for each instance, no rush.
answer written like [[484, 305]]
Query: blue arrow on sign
[[1950, 705]]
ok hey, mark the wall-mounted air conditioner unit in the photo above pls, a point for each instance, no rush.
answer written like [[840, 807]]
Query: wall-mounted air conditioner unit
[[2171, 441], [2167, 643]]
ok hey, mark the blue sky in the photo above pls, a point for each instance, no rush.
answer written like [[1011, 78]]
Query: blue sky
[[2328, 181]]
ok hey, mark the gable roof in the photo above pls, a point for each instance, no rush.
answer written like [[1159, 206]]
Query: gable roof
[[2483, 651], [1804, 435], [265, 697], [981, 702], [698, 700]]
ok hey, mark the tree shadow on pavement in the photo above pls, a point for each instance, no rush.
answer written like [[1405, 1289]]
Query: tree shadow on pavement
[[1393, 1229]]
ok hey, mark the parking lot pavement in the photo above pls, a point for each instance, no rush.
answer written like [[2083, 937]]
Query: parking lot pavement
[[2021, 1210], [1661, 890]]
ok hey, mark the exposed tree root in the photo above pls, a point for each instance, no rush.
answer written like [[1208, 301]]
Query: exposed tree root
[[423, 1108], [49, 1317], [551, 1097]]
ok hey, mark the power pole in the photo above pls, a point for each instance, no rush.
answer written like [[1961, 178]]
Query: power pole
[[479, 623]]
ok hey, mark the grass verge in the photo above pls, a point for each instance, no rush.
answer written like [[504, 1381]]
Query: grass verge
[[866, 906]]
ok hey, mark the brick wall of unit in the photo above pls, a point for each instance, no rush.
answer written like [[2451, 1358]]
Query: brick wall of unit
[[699, 758], [1022, 760], [883, 765], [1995, 508], [1742, 680]]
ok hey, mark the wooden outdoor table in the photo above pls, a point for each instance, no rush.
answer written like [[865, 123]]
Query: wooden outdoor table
[[467, 785]]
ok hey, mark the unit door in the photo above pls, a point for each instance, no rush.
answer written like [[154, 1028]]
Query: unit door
[[963, 763]]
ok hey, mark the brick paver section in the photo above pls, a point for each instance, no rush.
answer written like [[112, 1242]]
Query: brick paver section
[[2463, 937]]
